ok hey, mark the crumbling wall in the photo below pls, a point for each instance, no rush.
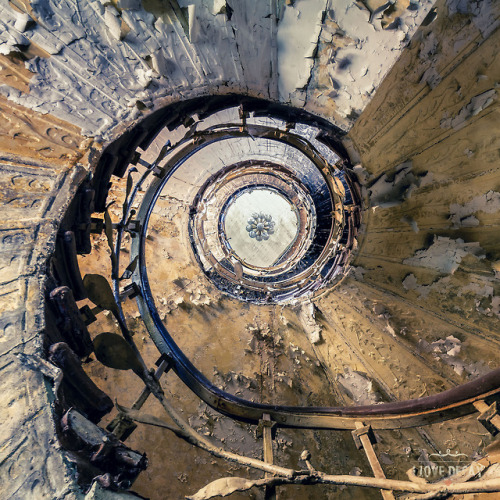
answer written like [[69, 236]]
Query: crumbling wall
[[419, 311], [429, 144], [38, 177]]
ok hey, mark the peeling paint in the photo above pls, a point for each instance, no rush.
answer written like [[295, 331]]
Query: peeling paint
[[98, 67], [307, 316], [295, 51], [477, 104], [391, 190], [359, 387], [410, 283], [447, 350], [358, 45], [445, 254], [480, 10], [462, 215], [478, 294]]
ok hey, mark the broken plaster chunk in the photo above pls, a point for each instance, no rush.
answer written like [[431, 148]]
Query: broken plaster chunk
[[144, 77], [445, 254], [23, 20], [218, 7], [307, 316], [15, 42], [113, 22], [410, 282], [390, 330], [431, 77], [358, 386], [462, 215], [392, 190], [470, 221], [47, 41], [447, 351]]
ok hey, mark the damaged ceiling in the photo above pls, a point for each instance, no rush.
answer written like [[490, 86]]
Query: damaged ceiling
[[104, 62]]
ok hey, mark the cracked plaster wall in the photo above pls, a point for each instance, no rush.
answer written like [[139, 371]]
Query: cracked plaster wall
[[429, 147], [96, 64]]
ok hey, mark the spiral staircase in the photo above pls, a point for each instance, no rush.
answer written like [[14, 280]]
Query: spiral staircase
[[408, 94]]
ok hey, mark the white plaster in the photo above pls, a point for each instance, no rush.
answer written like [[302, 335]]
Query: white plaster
[[298, 33], [445, 254], [462, 215], [358, 68], [22, 21], [307, 316]]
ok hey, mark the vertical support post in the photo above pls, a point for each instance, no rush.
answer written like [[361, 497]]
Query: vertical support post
[[364, 437], [267, 428]]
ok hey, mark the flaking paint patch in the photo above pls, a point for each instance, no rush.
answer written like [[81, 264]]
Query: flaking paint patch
[[445, 254], [481, 11], [463, 215], [477, 104], [391, 190], [98, 70], [442, 285], [479, 294], [307, 316], [356, 69], [298, 33], [448, 351], [359, 387]]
